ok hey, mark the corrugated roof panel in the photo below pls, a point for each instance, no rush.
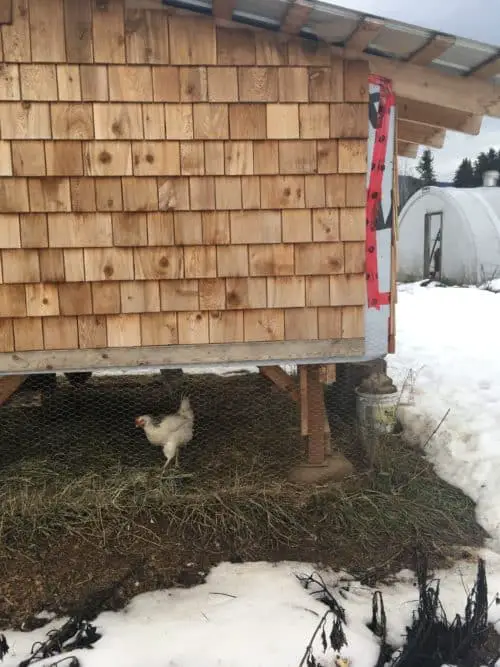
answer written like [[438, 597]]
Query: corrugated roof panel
[[263, 10], [399, 41], [331, 26], [466, 55]]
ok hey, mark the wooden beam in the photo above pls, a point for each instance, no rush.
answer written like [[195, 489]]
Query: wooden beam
[[364, 33], [281, 379], [406, 149], [285, 382], [430, 51], [415, 133], [177, 356], [223, 9], [296, 16], [487, 69], [313, 414], [431, 114], [8, 385], [416, 82]]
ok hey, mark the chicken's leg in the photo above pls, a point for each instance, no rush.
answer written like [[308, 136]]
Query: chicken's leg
[[177, 458], [166, 464]]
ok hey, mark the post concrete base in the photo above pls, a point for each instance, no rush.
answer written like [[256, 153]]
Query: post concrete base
[[335, 468]]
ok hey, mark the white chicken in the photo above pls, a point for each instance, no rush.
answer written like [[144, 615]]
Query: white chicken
[[169, 432]]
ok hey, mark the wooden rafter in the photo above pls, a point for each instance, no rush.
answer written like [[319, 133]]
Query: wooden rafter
[[416, 82], [487, 69], [406, 149], [415, 133], [223, 9], [440, 117], [433, 49], [364, 33], [296, 16]]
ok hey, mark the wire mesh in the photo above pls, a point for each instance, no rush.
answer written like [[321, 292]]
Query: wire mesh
[[84, 495]]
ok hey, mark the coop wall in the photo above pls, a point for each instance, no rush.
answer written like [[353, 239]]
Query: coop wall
[[165, 181]]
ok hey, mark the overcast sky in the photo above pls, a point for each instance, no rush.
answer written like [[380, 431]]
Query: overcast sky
[[455, 17]]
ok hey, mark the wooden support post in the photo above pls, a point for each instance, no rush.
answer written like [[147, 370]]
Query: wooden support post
[[283, 381], [313, 414], [8, 385]]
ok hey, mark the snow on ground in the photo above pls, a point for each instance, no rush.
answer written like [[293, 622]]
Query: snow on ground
[[449, 336], [252, 615]]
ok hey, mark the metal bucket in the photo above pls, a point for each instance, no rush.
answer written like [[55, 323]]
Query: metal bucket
[[377, 413]]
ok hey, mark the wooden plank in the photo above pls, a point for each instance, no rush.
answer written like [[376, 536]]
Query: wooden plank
[[124, 330], [286, 292], [68, 83], [264, 325], [193, 84], [225, 326], [52, 266], [60, 333], [431, 114], [47, 43], [296, 16], [242, 293], [192, 41], [416, 82], [364, 33], [146, 37], [193, 328], [313, 412], [108, 28], [405, 149], [78, 31], [301, 324], [10, 383], [6, 11], [263, 353], [281, 379], [416, 133], [432, 50]]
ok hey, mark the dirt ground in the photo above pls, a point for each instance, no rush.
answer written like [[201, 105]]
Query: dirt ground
[[62, 551]]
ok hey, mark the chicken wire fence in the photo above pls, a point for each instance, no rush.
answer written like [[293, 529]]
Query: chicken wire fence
[[87, 452], [230, 423]]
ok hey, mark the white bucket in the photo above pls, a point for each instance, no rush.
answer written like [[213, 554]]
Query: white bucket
[[377, 413]]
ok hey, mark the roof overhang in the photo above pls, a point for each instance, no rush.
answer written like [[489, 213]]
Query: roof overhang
[[441, 81]]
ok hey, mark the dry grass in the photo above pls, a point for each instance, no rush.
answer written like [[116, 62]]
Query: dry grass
[[78, 468]]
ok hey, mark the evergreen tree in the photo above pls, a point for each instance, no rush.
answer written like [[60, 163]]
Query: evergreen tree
[[425, 169], [464, 175], [486, 162]]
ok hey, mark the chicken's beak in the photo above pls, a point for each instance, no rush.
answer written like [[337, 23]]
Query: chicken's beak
[[138, 423]]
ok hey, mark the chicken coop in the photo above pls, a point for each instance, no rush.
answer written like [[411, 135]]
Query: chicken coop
[[202, 183]]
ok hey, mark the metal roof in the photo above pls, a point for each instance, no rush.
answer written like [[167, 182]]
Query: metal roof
[[336, 25]]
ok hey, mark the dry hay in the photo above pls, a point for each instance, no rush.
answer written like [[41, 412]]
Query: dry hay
[[77, 470]]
